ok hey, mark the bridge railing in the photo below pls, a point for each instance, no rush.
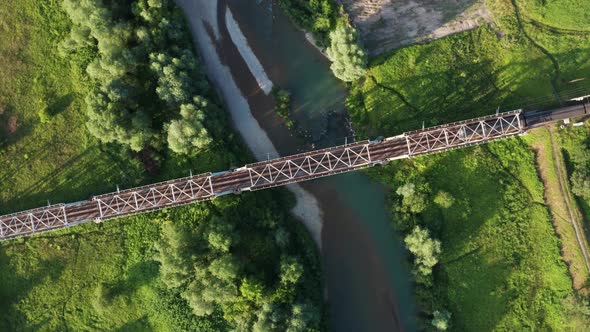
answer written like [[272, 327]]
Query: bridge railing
[[264, 174]]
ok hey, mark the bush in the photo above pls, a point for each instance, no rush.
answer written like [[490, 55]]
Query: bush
[[317, 16], [441, 320], [44, 115], [580, 180], [283, 106], [444, 199]]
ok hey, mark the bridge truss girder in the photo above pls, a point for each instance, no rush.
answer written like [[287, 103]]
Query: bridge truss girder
[[311, 165], [464, 133], [33, 221], [149, 198]]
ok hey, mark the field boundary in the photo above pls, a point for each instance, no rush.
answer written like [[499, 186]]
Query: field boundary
[[565, 192]]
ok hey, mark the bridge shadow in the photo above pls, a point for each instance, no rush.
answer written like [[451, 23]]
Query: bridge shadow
[[80, 177], [436, 96]]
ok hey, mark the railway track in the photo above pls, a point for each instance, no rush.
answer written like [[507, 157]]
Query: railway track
[[280, 171]]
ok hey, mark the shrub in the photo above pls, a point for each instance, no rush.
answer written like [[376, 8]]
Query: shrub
[[44, 115], [441, 320], [444, 199]]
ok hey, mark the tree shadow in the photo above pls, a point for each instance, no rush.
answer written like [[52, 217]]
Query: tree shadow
[[14, 287], [139, 325], [138, 275], [457, 91], [60, 104]]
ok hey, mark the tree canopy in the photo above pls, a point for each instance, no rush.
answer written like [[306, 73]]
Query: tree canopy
[[116, 42], [218, 273], [349, 60], [424, 249], [188, 132]]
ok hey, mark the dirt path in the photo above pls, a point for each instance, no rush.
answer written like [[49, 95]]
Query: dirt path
[[389, 24]]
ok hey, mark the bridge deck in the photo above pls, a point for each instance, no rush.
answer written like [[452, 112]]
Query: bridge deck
[[263, 174]]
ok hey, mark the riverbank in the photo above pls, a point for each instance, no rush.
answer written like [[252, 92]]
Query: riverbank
[[360, 273], [201, 24]]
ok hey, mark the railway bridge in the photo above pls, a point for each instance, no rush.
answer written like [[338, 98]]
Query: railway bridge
[[281, 171]]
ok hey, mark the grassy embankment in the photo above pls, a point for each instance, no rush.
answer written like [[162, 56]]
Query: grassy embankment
[[105, 276], [563, 207], [500, 266]]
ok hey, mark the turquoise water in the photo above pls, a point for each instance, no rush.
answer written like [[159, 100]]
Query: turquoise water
[[295, 65], [368, 285]]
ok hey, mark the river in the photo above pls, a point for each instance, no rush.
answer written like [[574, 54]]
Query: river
[[368, 287]]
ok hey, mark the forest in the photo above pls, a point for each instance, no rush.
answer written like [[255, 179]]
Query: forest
[[126, 104], [148, 84]]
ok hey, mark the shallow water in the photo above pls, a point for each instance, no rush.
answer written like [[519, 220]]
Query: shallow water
[[368, 286], [295, 65]]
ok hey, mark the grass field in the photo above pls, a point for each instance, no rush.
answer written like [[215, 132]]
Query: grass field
[[501, 267], [564, 14], [103, 277], [57, 159]]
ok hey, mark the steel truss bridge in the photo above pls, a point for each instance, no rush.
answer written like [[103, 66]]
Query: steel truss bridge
[[270, 173]]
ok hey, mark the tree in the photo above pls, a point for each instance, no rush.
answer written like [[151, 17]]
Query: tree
[[252, 289], [424, 249], [272, 317], [281, 237], [173, 255], [580, 180], [207, 290], [225, 268], [291, 270], [304, 317], [413, 197], [188, 133], [349, 61], [441, 320], [220, 235], [444, 199], [179, 78]]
